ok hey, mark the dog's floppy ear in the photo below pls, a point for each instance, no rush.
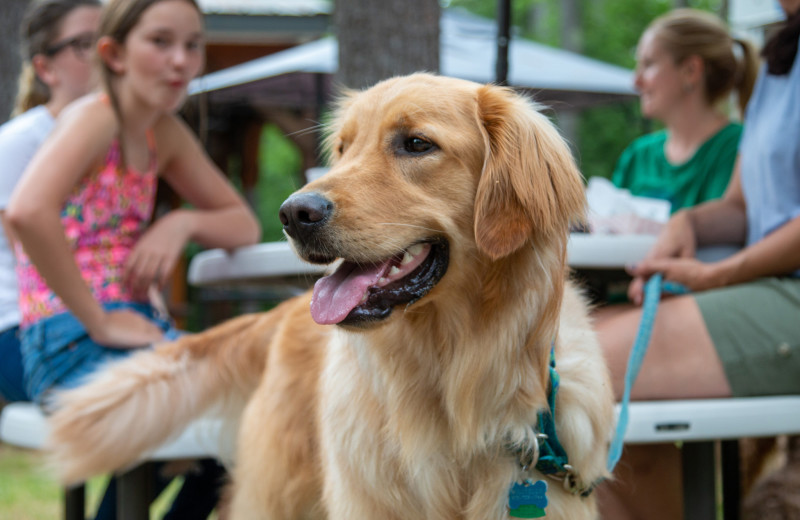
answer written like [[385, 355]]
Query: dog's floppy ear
[[530, 187]]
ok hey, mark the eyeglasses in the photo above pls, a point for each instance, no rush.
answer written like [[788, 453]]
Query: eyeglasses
[[81, 44]]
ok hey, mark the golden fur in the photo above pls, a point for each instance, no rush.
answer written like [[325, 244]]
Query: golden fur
[[411, 416]]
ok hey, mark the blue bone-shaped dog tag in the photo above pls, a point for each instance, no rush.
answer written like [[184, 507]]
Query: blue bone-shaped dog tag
[[527, 499]]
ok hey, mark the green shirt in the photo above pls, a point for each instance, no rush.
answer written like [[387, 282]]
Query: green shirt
[[645, 171]]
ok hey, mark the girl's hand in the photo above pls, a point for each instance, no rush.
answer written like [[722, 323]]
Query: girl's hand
[[126, 329], [156, 253]]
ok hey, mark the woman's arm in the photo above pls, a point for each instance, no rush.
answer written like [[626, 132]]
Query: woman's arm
[[34, 214], [776, 254], [721, 221]]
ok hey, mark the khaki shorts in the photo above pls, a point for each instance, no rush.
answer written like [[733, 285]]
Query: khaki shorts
[[755, 328]]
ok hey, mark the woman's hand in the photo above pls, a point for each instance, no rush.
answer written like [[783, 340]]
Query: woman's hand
[[155, 255], [676, 241], [126, 329], [689, 272]]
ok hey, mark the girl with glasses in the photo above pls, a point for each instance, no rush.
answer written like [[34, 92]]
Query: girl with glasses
[[82, 45], [50, 80]]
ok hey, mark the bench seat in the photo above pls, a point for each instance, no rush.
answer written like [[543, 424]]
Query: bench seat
[[698, 423]]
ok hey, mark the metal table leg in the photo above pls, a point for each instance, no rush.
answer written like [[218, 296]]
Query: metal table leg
[[75, 502], [134, 491], [698, 481], [731, 483]]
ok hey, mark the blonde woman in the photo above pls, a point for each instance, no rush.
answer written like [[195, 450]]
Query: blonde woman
[[688, 64]]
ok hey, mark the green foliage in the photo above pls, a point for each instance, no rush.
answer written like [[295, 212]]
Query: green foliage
[[279, 170], [612, 29], [603, 133]]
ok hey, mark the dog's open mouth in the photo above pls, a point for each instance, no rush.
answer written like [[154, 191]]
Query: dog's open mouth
[[357, 293]]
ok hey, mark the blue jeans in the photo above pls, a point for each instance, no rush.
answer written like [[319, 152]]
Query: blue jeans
[[57, 352], [12, 383]]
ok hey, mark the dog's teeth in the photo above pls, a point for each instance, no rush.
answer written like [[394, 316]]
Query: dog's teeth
[[394, 270], [363, 299], [410, 253]]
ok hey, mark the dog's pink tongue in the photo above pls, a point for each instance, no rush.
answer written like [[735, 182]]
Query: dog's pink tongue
[[337, 294]]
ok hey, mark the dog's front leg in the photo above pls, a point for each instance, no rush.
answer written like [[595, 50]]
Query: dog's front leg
[[277, 474], [349, 423]]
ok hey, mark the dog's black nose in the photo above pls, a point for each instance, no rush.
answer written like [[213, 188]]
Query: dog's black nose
[[304, 213]]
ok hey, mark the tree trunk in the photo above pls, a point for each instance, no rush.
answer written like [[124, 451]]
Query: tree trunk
[[10, 23], [378, 40]]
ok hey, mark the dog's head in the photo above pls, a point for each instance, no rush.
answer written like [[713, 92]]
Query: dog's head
[[429, 175]]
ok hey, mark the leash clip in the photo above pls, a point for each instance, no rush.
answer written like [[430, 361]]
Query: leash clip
[[529, 457]]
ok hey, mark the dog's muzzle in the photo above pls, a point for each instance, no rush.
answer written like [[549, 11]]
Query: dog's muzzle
[[359, 293], [304, 214]]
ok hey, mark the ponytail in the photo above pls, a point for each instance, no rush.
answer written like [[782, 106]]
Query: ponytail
[[747, 73], [31, 91]]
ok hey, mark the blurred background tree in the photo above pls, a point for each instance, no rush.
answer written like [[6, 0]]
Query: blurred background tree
[[10, 23], [378, 40]]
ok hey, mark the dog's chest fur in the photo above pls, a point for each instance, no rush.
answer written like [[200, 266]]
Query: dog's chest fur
[[388, 420], [413, 447]]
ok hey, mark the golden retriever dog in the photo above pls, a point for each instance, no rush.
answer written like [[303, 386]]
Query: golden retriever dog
[[411, 383]]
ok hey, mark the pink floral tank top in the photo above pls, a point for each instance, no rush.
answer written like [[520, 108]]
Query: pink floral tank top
[[103, 218]]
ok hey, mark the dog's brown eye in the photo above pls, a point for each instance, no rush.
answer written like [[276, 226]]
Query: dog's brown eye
[[417, 145]]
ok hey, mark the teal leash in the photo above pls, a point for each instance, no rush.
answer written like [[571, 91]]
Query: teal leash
[[653, 289], [528, 498]]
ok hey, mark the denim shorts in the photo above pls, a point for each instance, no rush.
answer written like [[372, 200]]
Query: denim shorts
[[12, 386], [57, 352]]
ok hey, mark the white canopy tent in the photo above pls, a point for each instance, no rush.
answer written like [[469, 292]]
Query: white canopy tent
[[301, 75]]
